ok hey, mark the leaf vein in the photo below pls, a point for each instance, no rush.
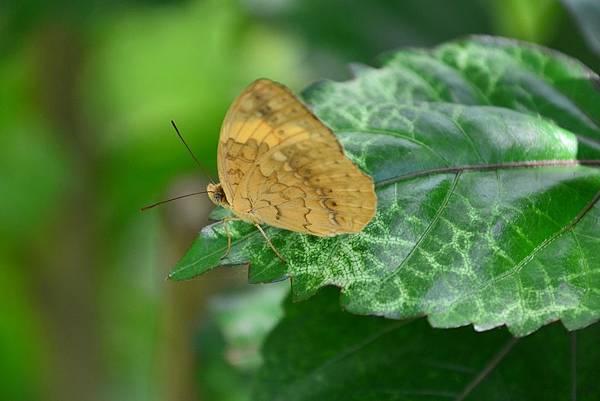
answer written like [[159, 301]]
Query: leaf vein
[[428, 229]]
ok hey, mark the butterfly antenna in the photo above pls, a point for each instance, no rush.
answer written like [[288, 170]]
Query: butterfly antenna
[[204, 170], [172, 199]]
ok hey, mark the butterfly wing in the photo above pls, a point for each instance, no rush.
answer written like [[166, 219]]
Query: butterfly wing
[[285, 167], [315, 190], [242, 138]]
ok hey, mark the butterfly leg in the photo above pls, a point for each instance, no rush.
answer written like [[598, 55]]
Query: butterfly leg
[[270, 243], [225, 223]]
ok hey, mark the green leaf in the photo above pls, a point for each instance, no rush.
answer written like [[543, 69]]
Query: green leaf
[[230, 340], [487, 213], [211, 247], [245, 319], [587, 14], [383, 24], [318, 352]]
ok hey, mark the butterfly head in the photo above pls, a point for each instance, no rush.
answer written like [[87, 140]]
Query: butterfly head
[[217, 195]]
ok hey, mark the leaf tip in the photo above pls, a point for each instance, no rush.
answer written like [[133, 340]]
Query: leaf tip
[[172, 276]]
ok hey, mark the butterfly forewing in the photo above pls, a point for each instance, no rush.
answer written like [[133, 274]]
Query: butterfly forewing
[[282, 166]]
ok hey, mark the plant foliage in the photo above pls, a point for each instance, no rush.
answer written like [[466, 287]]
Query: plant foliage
[[486, 156], [318, 352]]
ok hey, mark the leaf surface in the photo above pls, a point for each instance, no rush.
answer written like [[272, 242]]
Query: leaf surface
[[485, 154], [230, 337], [318, 352], [587, 14]]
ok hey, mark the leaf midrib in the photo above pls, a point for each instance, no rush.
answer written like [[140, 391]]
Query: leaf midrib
[[489, 167]]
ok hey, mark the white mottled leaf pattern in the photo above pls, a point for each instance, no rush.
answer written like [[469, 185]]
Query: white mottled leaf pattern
[[485, 153]]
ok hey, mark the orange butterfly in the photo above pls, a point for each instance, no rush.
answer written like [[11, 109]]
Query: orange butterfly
[[280, 165]]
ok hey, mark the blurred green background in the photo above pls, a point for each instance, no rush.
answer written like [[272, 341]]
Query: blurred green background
[[87, 90]]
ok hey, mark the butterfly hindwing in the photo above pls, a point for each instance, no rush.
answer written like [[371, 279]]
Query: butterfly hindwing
[[278, 162]]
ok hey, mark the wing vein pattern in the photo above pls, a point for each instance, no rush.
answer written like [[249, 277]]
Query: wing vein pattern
[[280, 165]]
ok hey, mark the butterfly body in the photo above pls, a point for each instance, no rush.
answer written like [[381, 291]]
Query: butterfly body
[[218, 197], [280, 165]]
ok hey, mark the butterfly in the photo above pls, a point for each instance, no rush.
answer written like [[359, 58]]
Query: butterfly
[[278, 164]]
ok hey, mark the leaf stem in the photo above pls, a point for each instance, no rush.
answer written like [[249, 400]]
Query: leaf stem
[[487, 369]]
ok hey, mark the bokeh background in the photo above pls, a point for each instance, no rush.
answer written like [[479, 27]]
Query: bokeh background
[[87, 90]]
